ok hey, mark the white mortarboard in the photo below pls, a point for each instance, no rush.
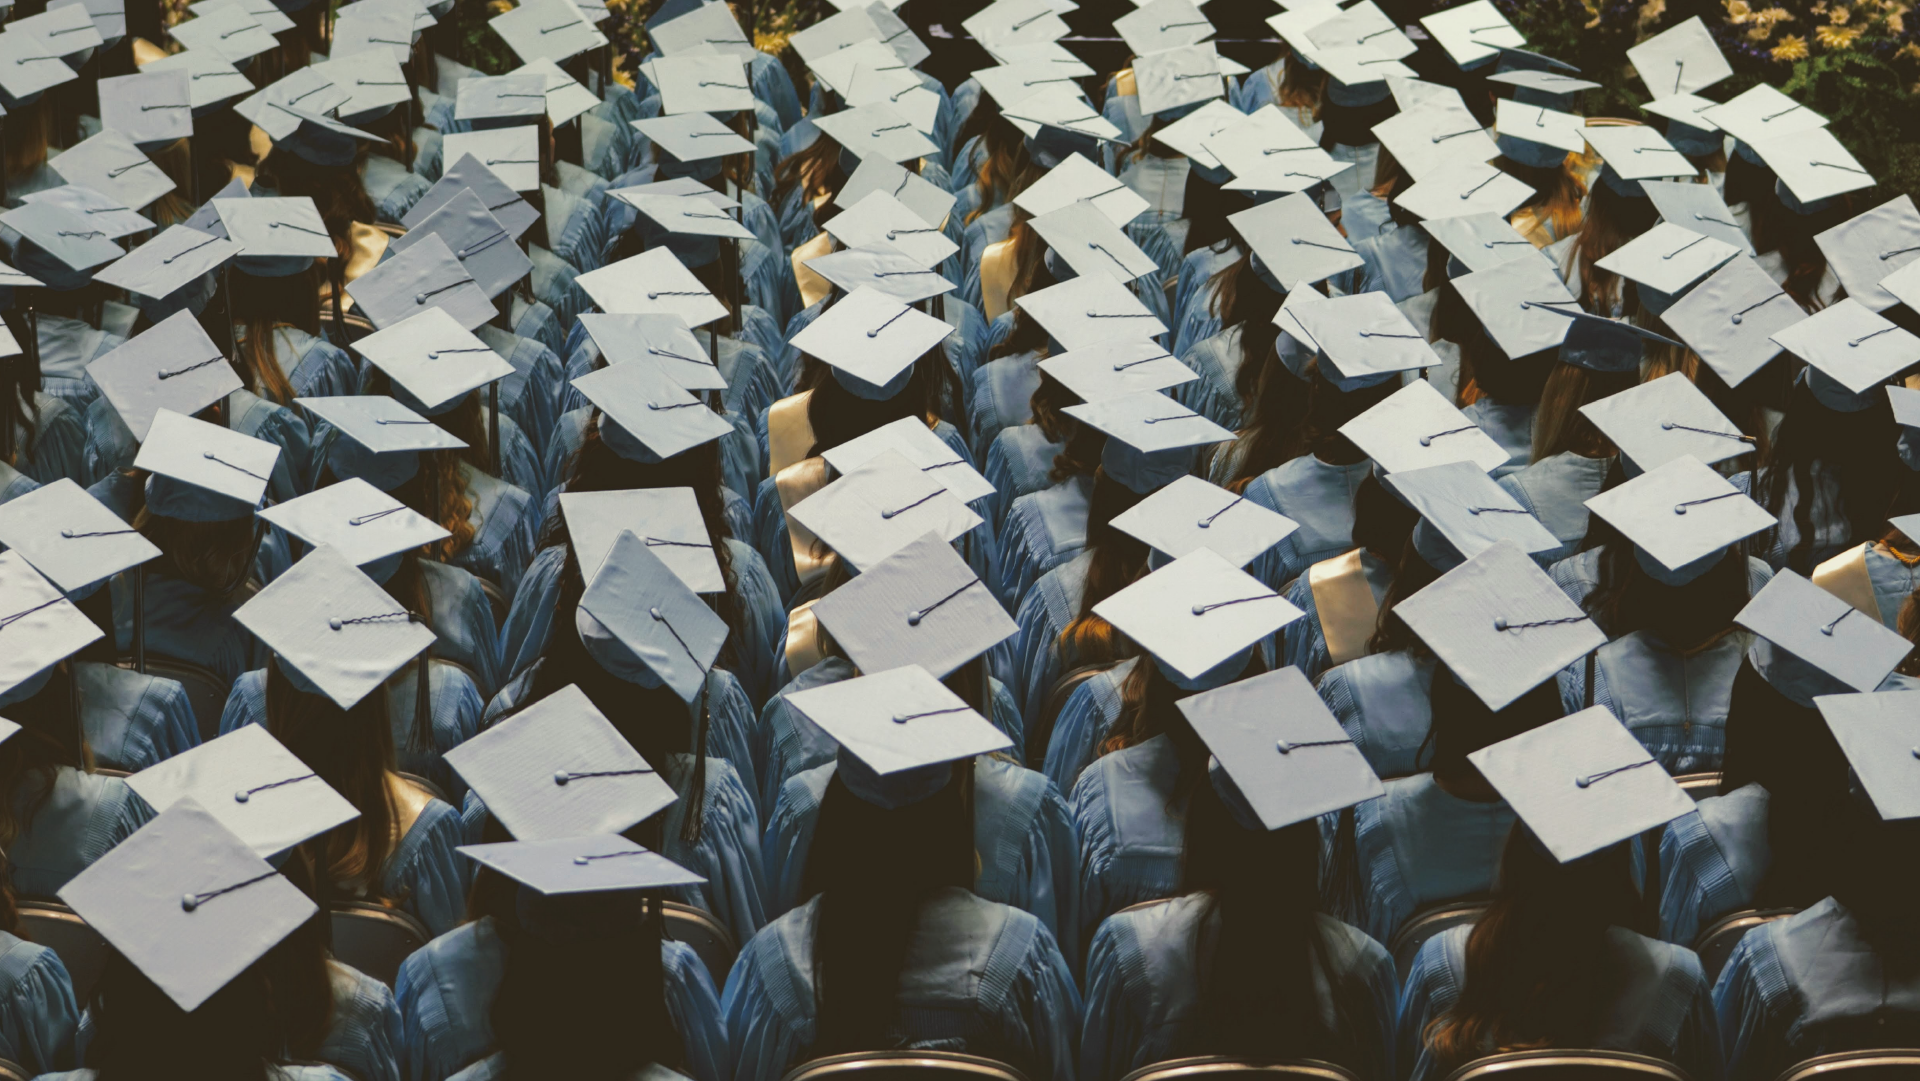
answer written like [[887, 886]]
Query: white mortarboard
[[679, 185], [483, 245], [1190, 134], [1866, 249], [1089, 310], [173, 365], [1681, 512], [566, 98], [425, 274], [881, 505], [513, 154], [928, 201], [506, 205], [1500, 624], [1761, 112], [871, 336], [1197, 612], [228, 31], [1876, 733], [1472, 32], [1185, 76], [1190, 514], [903, 41], [1657, 422], [1149, 422], [876, 129], [207, 456], [388, 30], [1295, 241], [864, 64], [560, 769], [1850, 344], [705, 24], [922, 605], [151, 107], [1113, 369], [1362, 26], [1065, 109], [592, 863], [498, 98], [1055, 55], [1582, 783], [1483, 241], [1076, 179], [662, 340], [105, 212], [1268, 152], [1902, 284], [277, 109], [667, 520], [1091, 244], [693, 136], [107, 18], [1358, 65], [187, 902], [211, 78], [252, 785], [372, 79], [29, 65], [1682, 59], [359, 521], [1906, 413], [276, 228], [833, 33], [1364, 334], [1470, 509], [1730, 318], [71, 537], [895, 273], [546, 29], [1162, 24], [689, 215], [1015, 22], [1284, 750], [651, 617], [1638, 152], [1464, 187], [334, 627], [913, 440], [63, 233], [1010, 84], [1668, 258], [109, 163], [1688, 110], [653, 282], [39, 627], [1697, 207], [380, 424], [1540, 124], [1824, 631], [1425, 138], [433, 358], [899, 720], [1410, 94], [1549, 85], [651, 407], [709, 84]]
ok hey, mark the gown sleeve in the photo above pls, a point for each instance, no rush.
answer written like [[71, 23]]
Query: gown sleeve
[[1049, 876], [694, 1006], [1110, 1029], [1044, 991], [763, 1040], [432, 877], [364, 1035], [1752, 1008], [1432, 987], [38, 1014]]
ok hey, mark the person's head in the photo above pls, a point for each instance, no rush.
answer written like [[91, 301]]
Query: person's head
[[335, 190], [1685, 615], [1612, 219], [1462, 723], [1118, 559], [1558, 192], [1030, 275], [1859, 474], [1506, 380], [265, 304], [215, 556], [1558, 425], [837, 413], [352, 751], [31, 757], [1006, 166], [140, 1033]]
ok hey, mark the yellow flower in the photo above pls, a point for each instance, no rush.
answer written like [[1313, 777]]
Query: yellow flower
[[1909, 51], [1835, 37], [1761, 32], [1774, 15], [1791, 47], [1738, 11], [1839, 16]]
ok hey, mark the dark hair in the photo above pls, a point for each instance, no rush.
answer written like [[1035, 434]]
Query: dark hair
[[1410, 575], [811, 171], [1687, 617], [1081, 444], [1118, 559], [19, 382], [1612, 220], [837, 414], [1859, 470], [352, 751], [139, 1032], [1559, 426], [1030, 275], [31, 760], [215, 556], [264, 305]]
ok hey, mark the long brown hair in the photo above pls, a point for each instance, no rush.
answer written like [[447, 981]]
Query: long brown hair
[[442, 473], [215, 556], [265, 305], [813, 170], [1612, 220], [1559, 426], [1118, 560], [352, 751], [1558, 192], [1030, 274], [1005, 168]]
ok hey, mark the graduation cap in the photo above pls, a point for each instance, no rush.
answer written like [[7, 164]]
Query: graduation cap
[[1875, 732], [1668, 258], [229, 32], [1162, 24], [1058, 59], [1669, 418], [378, 425], [106, 21], [1464, 187], [1698, 208], [1682, 515], [1483, 241], [928, 201], [641, 622], [106, 213], [560, 769], [1682, 59], [828, 36], [872, 341], [38, 626], [1536, 135], [1151, 438], [501, 101], [566, 99], [1177, 77], [1472, 33], [373, 82], [1582, 783], [1076, 179], [1500, 624], [1468, 510], [901, 728], [1295, 241], [1361, 26], [711, 84], [692, 137], [386, 29], [513, 213], [109, 163], [1267, 152], [546, 30], [151, 108], [1087, 311], [1190, 514], [1357, 74], [1851, 345], [662, 340], [921, 606], [1424, 138], [653, 282], [425, 274], [432, 359], [879, 506], [1092, 244], [1689, 129], [1823, 632], [1554, 89], [187, 902], [1057, 121], [334, 630], [701, 25], [667, 520], [1196, 614], [172, 365], [1190, 134], [913, 440], [277, 237], [483, 245], [876, 130], [359, 521], [1904, 285], [70, 537], [1867, 248], [895, 273], [652, 418], [512, 154], [1287, 756], [28, 65], [62, 244], [252, 785], [212, 81], [1416, 427], [1015, 22], [1760, 112], [1113, 369], [1730, 319], [692, 224], [864, 64], [203, 472], [1365, 336], [593, 863]]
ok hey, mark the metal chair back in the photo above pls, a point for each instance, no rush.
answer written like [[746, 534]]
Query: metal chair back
[[904, 1066], [1715, 944], [1892, 1064], [1221, 1068], [1429, 922], [708, 937], [1568, 1065], [373, 938], [79, 946]]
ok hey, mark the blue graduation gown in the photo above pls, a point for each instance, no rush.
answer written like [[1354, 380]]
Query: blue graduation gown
[[463, 624], [1832, 532], [393, 187], [67, 346], [1019, 461], [1383, 702], [1132, 822], [314, 367], [1712, 862], [1217, 360], [1660, 1006], [187, 623], [1002, 390], [980, 977], [1315, 494], [1555, 490], [364, 1034], [1418, 845], [1303, 643], [297, 470], [1676, 705], [78, 822], [38, 1014], [1396, 260], [1144, 989], [1511, 426], [446, 991], [134, 721], [1049, 605], [57, 446], [1194, 319], [1044, 529], [1022, 832], [1085, 721], [503, 519]]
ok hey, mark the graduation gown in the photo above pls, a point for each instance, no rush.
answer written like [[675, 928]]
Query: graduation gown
[[134, 721], [1418, 845], [1132, 824], [78, 822], [1384, 703], [1712, 862]]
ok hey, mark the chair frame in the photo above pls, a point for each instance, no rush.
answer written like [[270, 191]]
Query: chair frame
[[1526, 1064], [52, 907], [1208, 1067], [674, 910], [1752, 917], [12, 1071], [366, 909], [1843, 1063], [1700, 785], [837, 1066], [1431, 914]]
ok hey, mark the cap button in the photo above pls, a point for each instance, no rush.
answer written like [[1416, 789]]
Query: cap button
[[653, 296], [1916, 752], [655, 613], [1500, 623], [886, 514], [1284, 747], [901, 718], [1666, 426], [1199, 609], [560, 777], [188, 902], [1737, 317], [419, 298], [1581, 782], [242, 796], [913, 619], [67, 533], [1296, 240], [1475, 511], [1426, 442], [334, 624], [580, 861]]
